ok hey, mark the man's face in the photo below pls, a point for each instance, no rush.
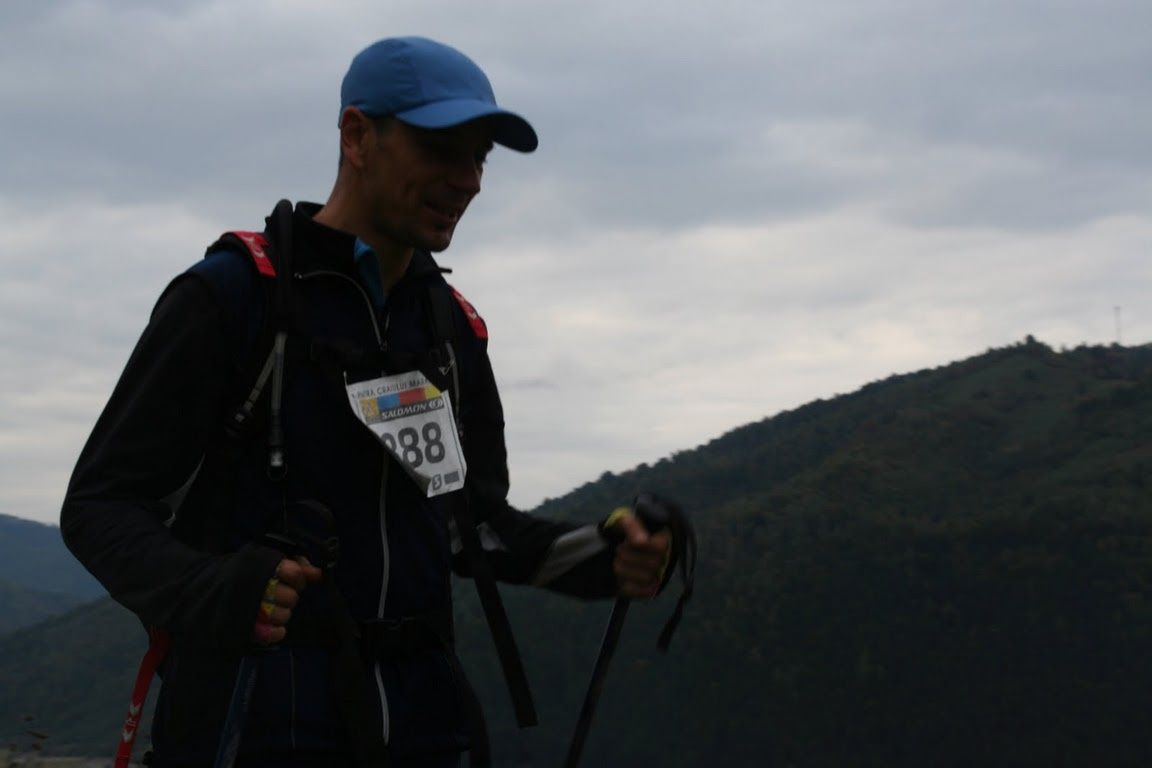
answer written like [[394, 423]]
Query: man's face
[[419, 182]]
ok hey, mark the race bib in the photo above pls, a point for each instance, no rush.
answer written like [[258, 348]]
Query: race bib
[[413, 419]]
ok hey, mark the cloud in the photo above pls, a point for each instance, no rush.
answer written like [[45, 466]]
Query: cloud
[[656, 344], [736, 207]]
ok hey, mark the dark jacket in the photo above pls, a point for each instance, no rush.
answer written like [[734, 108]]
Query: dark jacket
[[171, 514]]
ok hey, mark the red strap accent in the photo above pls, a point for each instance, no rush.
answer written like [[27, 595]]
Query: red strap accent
[[256, 243], [157, 650], [477, 322]]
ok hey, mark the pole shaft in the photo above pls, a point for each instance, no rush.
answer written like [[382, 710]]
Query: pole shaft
[[596, 684]]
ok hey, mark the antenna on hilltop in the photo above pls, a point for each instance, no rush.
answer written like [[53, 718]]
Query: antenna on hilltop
[[1117, 311]]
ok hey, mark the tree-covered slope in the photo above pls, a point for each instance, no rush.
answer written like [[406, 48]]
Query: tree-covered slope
[[947, 568], [22, 607], [34, 556]]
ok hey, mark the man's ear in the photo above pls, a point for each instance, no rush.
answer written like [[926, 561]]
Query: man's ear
[[356, 133]]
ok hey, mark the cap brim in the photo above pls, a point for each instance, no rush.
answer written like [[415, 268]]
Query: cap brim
[[508, 129]]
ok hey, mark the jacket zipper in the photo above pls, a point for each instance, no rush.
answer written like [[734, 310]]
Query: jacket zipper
[[383, 510], [292, 694], [385, 720]]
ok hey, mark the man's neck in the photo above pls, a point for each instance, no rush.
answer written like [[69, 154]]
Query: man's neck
[[393, 258], [393, 264]]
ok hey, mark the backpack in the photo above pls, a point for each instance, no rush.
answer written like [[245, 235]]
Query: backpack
[[270, 339]]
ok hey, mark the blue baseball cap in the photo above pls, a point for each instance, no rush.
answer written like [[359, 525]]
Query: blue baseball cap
[[429, 85]]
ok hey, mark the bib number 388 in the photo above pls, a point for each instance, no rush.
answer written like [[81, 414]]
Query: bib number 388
[[413, 419]]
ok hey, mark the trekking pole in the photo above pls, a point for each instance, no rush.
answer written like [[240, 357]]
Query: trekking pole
[[307, 531], [229, 745], [596, 684], [656, 514]]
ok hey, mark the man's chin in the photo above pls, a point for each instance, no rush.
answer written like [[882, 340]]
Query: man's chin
[[435, 244]]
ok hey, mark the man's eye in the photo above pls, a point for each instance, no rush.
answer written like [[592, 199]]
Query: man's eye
[[439, 151]]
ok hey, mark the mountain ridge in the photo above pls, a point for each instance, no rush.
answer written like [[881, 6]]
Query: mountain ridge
[[951, 567]]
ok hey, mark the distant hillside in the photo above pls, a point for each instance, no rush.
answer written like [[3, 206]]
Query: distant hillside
[[34, 556], [951, 568], [39, 578], [73, 674], [1013, 416], [22, 607]]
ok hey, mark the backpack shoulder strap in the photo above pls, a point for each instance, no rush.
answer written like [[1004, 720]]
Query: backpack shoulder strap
[[438, 306], [270, 252], [442, 306], [479, 327], [255, 244], [442, 302]]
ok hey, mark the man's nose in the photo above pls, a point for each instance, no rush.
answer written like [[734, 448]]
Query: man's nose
[[466, 175]]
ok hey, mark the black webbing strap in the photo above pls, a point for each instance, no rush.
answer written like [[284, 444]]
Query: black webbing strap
[[494, 613], [392, 639], [440, 312], [280, 229], [658, 513], [439, 308], [480, 749], [382, 640], [684, 544], [271, 252], [432, 631]]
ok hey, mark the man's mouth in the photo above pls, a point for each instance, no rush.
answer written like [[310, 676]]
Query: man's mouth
[[449, 212]]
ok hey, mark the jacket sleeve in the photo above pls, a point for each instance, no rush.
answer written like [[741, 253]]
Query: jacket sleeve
[[142, 454], [522, 548]]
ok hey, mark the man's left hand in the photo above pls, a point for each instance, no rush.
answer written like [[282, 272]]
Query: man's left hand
[[641, 558]]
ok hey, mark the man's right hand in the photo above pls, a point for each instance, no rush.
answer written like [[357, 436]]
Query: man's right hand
[[280, 597]]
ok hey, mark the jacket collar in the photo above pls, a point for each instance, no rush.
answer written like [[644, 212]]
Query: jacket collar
[[322, 247]]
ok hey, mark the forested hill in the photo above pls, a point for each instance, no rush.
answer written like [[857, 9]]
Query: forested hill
[[1002, 429], [33, 555], [950, 568], [38, 576]]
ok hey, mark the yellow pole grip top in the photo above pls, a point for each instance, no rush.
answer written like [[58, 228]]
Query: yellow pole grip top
[[619, 514]]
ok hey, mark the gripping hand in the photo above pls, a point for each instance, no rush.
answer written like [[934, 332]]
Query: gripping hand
[[655, 540]]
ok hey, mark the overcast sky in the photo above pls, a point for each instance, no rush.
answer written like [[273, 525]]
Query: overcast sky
[[736, 207]]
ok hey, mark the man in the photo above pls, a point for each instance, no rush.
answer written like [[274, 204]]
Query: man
[[319, 522]]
